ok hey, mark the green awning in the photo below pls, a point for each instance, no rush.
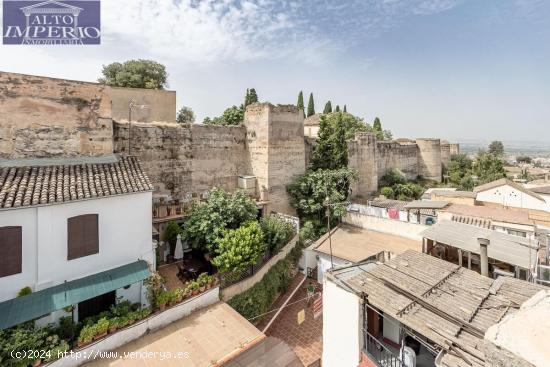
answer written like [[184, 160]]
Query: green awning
[[18, 310]]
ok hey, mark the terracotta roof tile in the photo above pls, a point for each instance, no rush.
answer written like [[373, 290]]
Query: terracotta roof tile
[[38, 185]]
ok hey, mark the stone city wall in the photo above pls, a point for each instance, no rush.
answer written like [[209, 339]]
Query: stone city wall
[[150, 105], [181, 159], [47, 117], [395, 155]]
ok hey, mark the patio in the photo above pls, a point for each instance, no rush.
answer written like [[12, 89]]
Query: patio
[[176, 274], [305, 338]]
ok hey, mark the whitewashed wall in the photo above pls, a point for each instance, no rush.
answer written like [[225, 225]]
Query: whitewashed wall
[[150, 324], [342, 320], [124, 237], [391, 226], [510, 196]]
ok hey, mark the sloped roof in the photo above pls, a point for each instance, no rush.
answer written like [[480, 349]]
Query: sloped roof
[[426, 204], [511, 249], [454, 193], [313, 120], [356, 244], [30, 185], [446, 303], [503, 182], [545, 190]]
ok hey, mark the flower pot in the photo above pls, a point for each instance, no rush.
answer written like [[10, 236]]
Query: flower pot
[[202, 288], [37, 363], [195, 292], [112, 329], [162, 307], [209, 285], [82, 344], [100, 336]]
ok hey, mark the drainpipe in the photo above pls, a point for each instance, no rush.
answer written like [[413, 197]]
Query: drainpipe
[[484, 259]]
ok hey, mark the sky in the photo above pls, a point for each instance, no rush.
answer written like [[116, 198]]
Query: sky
[[456, 69]]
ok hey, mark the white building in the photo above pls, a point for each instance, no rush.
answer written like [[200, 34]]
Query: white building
[[512, 194], [76, 231]]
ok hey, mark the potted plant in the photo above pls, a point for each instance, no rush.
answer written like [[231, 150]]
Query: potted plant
[[162, 300], [179, 293], [101, 328], [114, 324], [194, 286], [86, 335], [145, 312]]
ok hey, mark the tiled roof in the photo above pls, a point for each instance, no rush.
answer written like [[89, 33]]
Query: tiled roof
[[24, 186]]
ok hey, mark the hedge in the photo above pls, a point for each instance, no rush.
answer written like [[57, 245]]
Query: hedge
[[258, 299]]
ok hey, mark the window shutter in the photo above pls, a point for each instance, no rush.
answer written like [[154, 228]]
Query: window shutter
[[82, 236], [10, 251]]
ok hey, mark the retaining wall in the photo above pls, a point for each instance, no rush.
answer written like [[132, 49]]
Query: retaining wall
[[246, 284], [137, 330]]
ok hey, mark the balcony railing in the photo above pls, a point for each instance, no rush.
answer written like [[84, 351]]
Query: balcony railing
[[380, 354]]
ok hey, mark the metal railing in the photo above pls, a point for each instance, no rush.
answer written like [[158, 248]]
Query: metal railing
[[380, 354]]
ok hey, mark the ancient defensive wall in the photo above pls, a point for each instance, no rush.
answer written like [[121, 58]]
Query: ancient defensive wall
[[48, 117]]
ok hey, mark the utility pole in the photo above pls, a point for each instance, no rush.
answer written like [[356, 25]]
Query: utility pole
[[328, 204]]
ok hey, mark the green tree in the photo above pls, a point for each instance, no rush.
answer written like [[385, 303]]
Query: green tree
[[185, 116], [300, 103], [207, 221], [310, 106], [524, 159], [345, 110], [337, 109], [277, 232], [393, 177], [331, 149], [251, 97], [328, 107], [135, 74], [239, 248], [496, 148], [231, 116], [488, 167], [308, 194]]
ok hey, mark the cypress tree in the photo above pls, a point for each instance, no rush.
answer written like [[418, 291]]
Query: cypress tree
[[345, 109], [253, 96], [246, 97], [310, 106], [300, 103], [377, 125], [337, 108], [328, 107]]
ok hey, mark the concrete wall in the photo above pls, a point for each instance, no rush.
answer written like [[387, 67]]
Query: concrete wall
[[244, 285], [133, 332], [342, 325], [161, 104], [124, 237], [391, 226], [510, 196], [181, 159], [47, 117]]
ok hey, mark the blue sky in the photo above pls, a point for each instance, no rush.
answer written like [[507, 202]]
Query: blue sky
[[446, 68]]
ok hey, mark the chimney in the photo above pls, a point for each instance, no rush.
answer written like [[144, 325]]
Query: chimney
[[484, 259]]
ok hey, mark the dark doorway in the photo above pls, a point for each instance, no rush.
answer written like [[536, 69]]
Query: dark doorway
[[96, 305]]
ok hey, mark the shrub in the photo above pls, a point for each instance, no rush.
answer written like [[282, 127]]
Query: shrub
[[24, 292], [393, 177], [86, 334], [258, 299], [163, 298], [387, 192], [171, 235], [277, 232], [239, 248], [102, 326]]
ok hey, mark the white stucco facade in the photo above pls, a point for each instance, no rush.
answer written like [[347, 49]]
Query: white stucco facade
[[124, 224], [510, 196], [342, 320]]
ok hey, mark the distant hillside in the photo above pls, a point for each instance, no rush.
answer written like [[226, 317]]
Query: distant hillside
[[512, 148]]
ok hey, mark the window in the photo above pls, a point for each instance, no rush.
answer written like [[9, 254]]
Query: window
[[82, 236], [517, 233], [11, 250]]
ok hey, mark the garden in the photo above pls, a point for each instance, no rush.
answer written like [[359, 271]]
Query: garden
[[224, 231]]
